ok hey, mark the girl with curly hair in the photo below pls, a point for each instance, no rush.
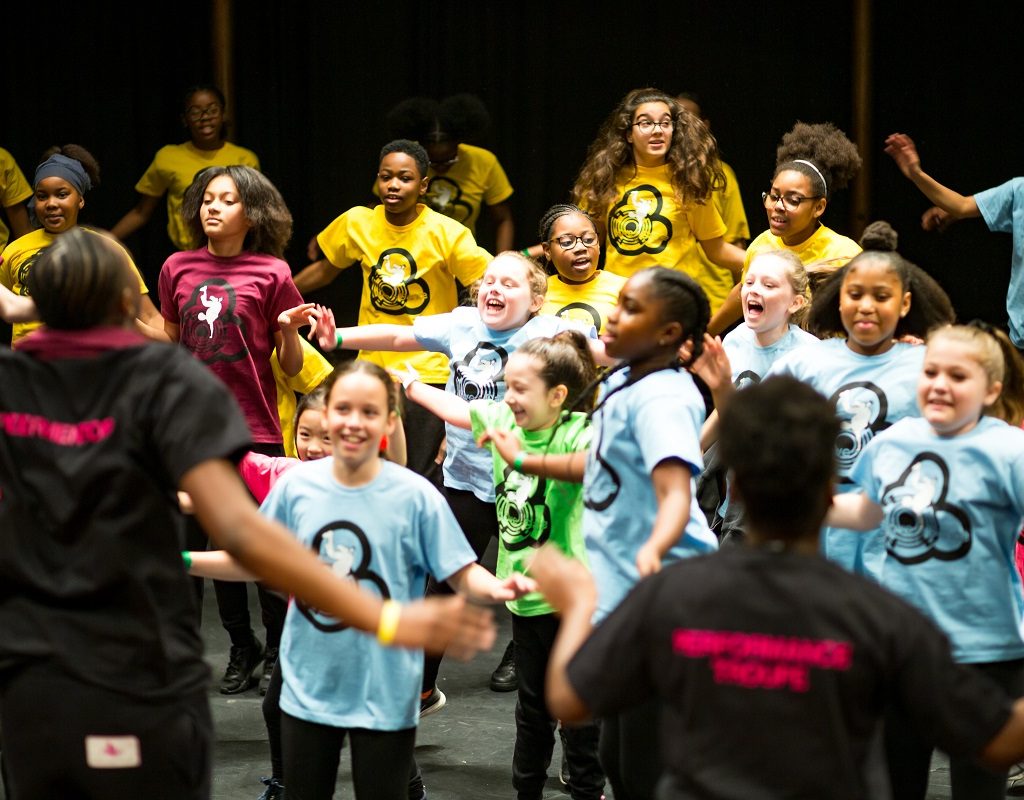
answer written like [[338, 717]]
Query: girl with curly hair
[[647, 180]]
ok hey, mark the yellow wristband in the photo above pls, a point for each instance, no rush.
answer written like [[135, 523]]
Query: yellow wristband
[[387, 627]]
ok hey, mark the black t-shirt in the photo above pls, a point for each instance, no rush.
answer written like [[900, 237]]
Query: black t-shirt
[[774, 669], [91, 452]]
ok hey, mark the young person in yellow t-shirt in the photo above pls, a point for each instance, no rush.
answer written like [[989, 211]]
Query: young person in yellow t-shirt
[[811, 163], [648, 181], [60, 183], [14, 191], [175, 165], [577, 291], [462, 178], [411, 258]]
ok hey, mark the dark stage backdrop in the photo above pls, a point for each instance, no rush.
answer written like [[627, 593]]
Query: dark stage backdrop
[[313, 82]]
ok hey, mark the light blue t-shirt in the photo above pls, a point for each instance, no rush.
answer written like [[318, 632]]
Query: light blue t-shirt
[[1002, 208], [387, 536], [953, 508], [750, 361], [649, 421], [870, 394], [477, 357]]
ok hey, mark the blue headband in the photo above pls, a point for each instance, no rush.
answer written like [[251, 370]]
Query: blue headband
[[58, 166]]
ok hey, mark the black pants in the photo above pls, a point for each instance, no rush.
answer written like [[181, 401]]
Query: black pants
[[535, 728], [51, 721], [630, 751], [909, 751], [424, 433], [381, 760], [479, 523]]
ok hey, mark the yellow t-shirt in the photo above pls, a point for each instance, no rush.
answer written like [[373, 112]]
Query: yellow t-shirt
[[315, 369], [474, 180], [717, 281], [14, 189], [18, 258], [646, 226], [584, 303], [408, 271], [824, 246], [172, 171]]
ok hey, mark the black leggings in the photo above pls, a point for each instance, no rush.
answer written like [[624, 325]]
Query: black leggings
[[909, 754], [630, 751], [381, 760], [479, 523], [61, 734]]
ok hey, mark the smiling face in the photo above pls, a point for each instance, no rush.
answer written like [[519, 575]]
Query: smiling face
[[204, 118], [871, 303], [311, 439], [400, 187], [954, 388], [578, 264], [651, 148], [222, 213], [57, 204], [534, 404], [793, 227], [768, 297], [356, 418], [505, 299]]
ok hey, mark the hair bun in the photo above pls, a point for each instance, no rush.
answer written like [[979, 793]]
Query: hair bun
[[879, 236]]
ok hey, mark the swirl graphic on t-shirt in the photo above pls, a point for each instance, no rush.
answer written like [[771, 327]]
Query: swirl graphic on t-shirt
[[861, 407], [919, 523], [607, 474], [635, 223], [746, 378], [477, 375], [21, 276], [524, 519], [445, 197], [210, 328], [580, 315], [394, 287], [342, 544]]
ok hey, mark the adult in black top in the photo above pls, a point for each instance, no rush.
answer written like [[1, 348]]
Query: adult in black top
[[102, 683], [773, 666]]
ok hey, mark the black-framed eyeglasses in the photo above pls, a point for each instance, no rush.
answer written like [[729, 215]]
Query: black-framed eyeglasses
[[646, 126], [196, 113], [791, 202], [568, 241]]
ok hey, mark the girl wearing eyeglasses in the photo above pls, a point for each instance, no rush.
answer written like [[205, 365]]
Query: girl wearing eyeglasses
[[175, 165], [811, 163], [647, 179], [578, 291]]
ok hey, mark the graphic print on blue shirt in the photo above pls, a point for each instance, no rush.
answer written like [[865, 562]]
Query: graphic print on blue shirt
[[607, 472], [479, 374], [346, 548], [205, 321], [746, 378], [394, 287], [636, 220], [862, 408], [524, 519], [919, 523]]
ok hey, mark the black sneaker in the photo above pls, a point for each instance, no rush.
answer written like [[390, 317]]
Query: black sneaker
[[269, 660], [432, 703], [242, 666], [274, 790], [505, 678]]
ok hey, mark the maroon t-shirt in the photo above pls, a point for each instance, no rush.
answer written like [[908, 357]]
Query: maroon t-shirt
[[227, 310]]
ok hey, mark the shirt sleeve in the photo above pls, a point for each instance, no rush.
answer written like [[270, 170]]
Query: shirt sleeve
[[283, 297], [668, 426], [194, 417], [14, 188], [467, 260], [705, 221], [610, 671], [497, 189], [154, 181], [165, 293], [336, 243], [434, 332], [997, 204], [446, 548]]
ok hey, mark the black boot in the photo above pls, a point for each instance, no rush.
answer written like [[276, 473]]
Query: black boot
[[243, 663], [505, 678]]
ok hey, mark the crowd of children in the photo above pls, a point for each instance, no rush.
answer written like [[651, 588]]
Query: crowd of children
[[857, 456]]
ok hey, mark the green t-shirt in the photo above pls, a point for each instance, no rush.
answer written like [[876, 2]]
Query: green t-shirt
[[533, 510]]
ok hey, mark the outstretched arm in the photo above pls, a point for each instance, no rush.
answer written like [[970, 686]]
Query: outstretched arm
[[16, 308], [477, 583], [396, 338], [135, 218], [286, 341], [562, 467], [449, 407], [904, 152]]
